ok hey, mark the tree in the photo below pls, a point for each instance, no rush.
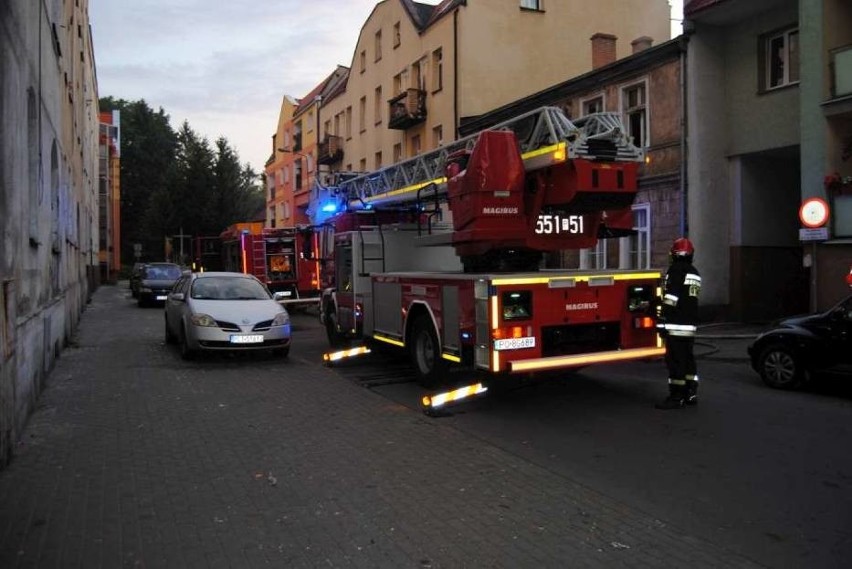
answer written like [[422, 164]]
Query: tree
[[147, 152]]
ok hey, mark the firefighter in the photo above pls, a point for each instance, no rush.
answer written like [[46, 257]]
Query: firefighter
[[677, 324]]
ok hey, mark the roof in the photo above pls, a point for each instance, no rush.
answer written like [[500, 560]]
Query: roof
[[693, 6], [424, 15], [322, 89]]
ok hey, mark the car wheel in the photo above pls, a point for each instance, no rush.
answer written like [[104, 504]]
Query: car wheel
[[170, 337], [780, 367], [426, 353], [185, 351]]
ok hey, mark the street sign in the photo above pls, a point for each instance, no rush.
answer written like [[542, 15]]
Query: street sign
[[813, 234], [813, 212]]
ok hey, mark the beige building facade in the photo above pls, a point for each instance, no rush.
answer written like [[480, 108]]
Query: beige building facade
[[418, 71], [49, 199]]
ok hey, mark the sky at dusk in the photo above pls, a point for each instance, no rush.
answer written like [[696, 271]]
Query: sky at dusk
[[219, 65]]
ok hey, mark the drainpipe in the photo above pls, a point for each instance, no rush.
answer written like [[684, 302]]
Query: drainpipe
[[456, 73], [684, 132]]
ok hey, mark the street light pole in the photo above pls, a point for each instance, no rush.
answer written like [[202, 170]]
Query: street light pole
[[181, 237]]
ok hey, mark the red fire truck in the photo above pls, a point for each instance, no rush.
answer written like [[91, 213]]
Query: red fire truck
[[441, 255], [281, 258]]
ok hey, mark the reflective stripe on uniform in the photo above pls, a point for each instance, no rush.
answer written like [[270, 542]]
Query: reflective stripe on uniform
[[677, 381], [670, 299], [681, 329], [692, 279]]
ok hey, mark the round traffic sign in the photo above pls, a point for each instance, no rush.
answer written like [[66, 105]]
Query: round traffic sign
[[814, 212]]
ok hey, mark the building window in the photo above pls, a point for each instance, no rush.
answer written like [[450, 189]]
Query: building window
[[396, 35], [437, 69], [348, 123], [297, 172], [537, 5], [362, 114], [378, 45], [285, 210], [397, 84], [437, 136], [310, 121], [363, 60], [363, 165], [397, 152], [378, 160], [377, 105], [326, 128], [415, 145], [635, 111], [635, 251], [271, 217], [781, 59], [418, 74], [593, 105]]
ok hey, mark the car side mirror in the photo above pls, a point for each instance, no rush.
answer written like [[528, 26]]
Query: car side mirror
[[280, 295], [178, 296]]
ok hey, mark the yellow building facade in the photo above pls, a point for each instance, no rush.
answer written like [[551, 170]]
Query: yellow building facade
[[419, 71]]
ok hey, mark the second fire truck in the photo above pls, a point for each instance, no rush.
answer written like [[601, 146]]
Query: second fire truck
[[282, 258], [441, 255]]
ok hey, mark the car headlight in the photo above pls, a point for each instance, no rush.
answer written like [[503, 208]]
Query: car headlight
[[203, 320], [281, 319], [145, 289]]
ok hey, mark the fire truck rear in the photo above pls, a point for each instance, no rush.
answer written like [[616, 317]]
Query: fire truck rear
[[441, 255], [281, 258]]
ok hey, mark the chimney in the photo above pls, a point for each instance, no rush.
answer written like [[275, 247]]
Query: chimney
[[640, 44], [603, 50]]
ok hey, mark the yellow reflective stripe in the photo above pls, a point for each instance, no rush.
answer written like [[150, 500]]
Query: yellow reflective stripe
[[577, 278]]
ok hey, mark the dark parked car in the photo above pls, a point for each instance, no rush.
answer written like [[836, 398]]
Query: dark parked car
[[787, 355], [156, 282]]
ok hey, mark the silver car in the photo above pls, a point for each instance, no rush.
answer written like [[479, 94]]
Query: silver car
[[225, 311]]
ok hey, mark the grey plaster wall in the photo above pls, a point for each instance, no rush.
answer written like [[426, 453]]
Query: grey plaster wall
[[48, 203]]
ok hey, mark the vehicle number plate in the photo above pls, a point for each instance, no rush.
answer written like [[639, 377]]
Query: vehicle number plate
[[515, 343], [161, 297], [557, 224], [252, 339]]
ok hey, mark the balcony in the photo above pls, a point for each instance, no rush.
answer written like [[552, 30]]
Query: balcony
[[330, 150], [407, 109]]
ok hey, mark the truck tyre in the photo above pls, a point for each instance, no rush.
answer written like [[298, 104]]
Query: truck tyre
[[425, 349], [335, 338]]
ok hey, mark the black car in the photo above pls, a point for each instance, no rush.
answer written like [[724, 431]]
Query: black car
[[787, 355], [156, 282]]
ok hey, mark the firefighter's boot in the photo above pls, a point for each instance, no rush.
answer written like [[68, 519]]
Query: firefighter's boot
[[676, 398], [691, 395]]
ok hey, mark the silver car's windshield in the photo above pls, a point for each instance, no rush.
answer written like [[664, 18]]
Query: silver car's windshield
[[228, 288]]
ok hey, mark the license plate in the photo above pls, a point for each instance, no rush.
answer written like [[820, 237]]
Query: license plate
[[252, 339], [515, 343], [161, 297]]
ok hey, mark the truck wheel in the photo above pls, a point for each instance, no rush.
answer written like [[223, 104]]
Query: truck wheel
[[780, 368], [335, 338], [425, 349]]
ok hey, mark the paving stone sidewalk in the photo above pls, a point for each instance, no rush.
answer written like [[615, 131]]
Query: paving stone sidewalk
[[133, 459]]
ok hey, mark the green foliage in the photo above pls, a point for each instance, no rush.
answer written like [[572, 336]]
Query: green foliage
[[176, 182]]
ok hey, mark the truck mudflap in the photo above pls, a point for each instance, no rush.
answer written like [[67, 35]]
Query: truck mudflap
[[576, 360]]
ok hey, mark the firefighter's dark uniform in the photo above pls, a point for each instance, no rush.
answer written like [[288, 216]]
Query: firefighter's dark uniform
[[678, 324]]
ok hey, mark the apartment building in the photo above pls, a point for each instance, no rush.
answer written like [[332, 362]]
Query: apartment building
[[769, 99], [109, 196], [49, 215], [419, 70], [293, 165]]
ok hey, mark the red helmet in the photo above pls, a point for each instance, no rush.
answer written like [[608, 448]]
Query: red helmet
[[682, 247]]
